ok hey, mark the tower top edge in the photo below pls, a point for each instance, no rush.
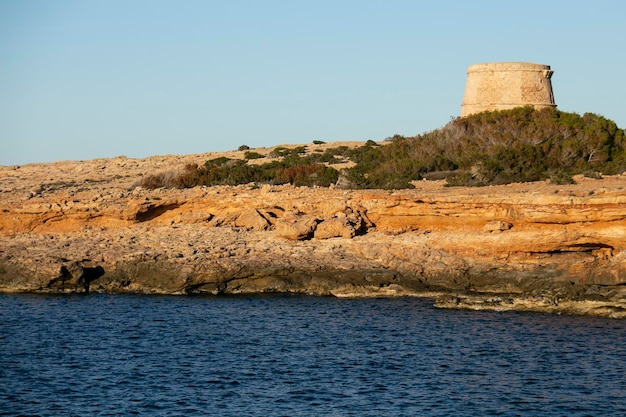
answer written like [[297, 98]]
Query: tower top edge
[[507, 66]]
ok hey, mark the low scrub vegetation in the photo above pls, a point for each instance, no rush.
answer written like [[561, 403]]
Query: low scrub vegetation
[[225, 171], [499, 147]]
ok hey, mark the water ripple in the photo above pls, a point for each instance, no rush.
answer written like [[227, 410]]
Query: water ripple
[[250, 356]]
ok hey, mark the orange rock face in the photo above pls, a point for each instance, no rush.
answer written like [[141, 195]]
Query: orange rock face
[[541, 242]]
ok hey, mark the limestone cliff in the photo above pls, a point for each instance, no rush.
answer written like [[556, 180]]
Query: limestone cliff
[[86, 226]]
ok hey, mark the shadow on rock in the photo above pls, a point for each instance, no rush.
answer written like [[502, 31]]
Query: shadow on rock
[[74, 277]]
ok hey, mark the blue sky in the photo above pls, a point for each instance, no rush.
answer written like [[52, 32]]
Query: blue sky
[[92, 79]]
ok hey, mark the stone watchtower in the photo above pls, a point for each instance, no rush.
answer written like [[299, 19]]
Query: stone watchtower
[[505, 85]]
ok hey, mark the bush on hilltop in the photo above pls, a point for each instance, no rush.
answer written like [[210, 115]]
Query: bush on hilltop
[[498, 147]]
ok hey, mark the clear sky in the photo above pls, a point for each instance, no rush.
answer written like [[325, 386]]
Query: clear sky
[[92, 79]]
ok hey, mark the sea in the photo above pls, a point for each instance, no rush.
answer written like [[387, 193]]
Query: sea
[[281, 355]]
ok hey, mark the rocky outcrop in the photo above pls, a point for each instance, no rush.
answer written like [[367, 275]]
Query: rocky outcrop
[[86, 226]]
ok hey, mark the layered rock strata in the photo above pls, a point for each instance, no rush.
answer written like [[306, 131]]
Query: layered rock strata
[[87, 226]]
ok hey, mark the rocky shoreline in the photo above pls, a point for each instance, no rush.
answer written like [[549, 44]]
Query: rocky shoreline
[[78, 226]]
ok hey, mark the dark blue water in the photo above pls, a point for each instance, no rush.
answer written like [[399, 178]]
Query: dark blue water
[[301, 356]]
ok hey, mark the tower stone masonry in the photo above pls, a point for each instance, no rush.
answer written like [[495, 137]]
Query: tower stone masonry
[[505, 85]]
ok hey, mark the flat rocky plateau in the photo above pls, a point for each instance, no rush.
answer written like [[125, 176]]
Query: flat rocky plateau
[[87, 226]]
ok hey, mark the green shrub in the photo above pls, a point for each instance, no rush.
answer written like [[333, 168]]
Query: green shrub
[[517, 145], [465, 179], [279, 152], [561, 178], [592, 174], [222, 160], [252, 155], [498, 147]]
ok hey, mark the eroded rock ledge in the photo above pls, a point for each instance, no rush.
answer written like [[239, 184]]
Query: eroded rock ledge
[[85, 226]]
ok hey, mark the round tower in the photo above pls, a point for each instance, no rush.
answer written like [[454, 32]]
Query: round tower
[[505, 85]]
